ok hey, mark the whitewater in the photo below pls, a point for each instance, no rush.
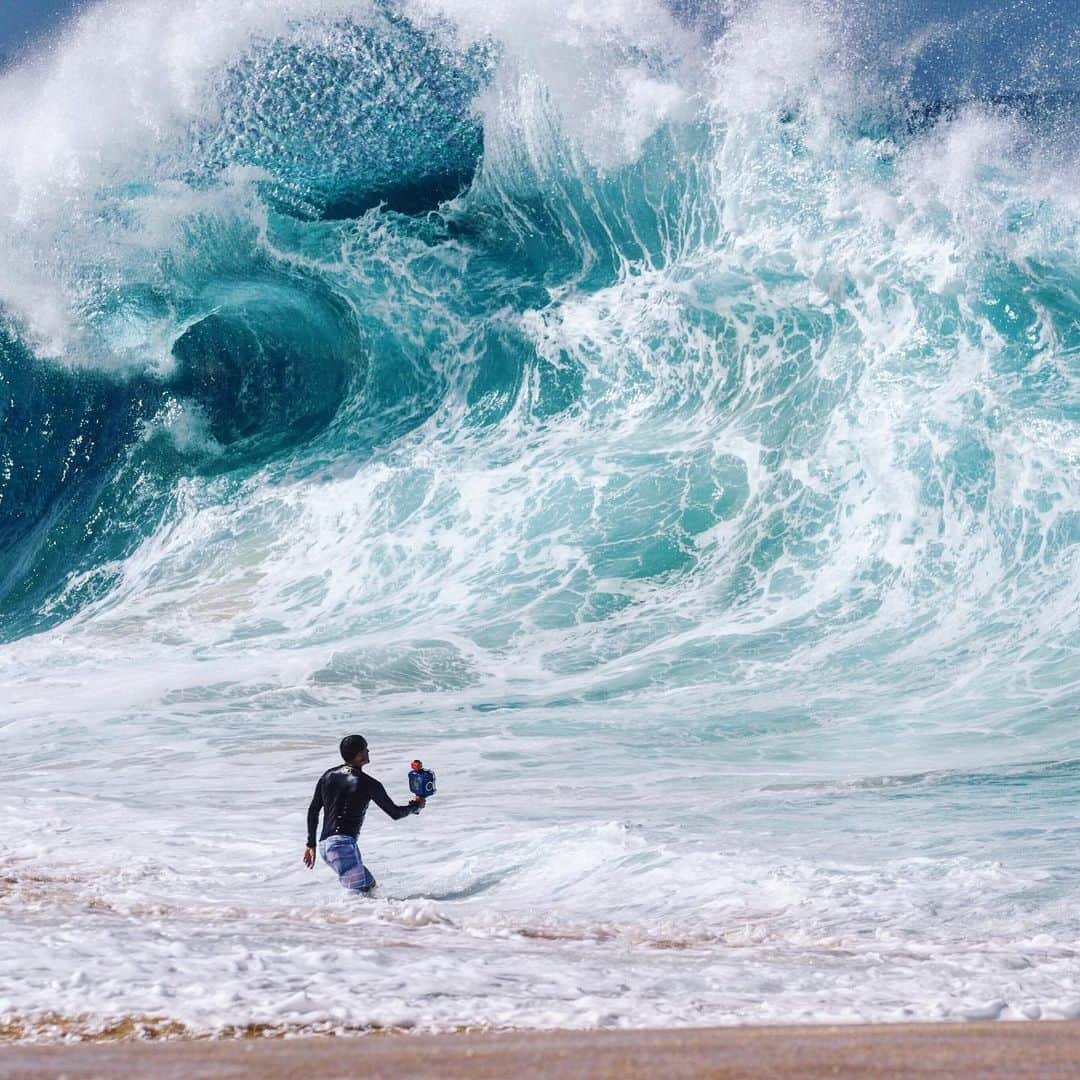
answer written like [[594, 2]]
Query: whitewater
[[662, 420]]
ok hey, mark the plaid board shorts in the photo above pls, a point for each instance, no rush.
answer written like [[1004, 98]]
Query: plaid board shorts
[[342, 855]]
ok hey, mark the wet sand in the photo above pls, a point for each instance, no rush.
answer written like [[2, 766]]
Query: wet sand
[[971, 1051]]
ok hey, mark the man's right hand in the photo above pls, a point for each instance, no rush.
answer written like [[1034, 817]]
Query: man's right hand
[[309, 857], [419, 802]]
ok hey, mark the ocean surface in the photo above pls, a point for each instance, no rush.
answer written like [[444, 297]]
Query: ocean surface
[[664, 420]]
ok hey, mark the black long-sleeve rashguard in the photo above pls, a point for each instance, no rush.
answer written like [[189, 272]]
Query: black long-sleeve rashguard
[[343, 794]]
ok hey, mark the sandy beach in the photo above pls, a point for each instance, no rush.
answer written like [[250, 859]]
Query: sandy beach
[[972, 1051]]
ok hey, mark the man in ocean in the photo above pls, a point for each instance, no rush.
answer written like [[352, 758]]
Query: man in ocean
[[342, 794]]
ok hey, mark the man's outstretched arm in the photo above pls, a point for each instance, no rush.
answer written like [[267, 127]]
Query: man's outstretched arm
[[313, 824], [388, 806]]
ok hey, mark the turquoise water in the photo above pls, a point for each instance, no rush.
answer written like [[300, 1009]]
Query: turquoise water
[[665, 423]]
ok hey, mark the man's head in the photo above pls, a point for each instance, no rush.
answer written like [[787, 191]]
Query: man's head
[[354, 750]]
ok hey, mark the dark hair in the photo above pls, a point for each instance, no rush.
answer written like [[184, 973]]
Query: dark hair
[[351, 745]]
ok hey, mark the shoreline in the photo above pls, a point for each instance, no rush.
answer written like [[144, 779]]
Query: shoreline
[[1007, 1049]]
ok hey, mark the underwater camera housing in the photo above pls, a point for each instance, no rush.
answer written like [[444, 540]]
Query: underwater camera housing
[[421, 780]]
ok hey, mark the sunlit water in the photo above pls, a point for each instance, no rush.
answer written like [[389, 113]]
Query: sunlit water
[[665, 423]]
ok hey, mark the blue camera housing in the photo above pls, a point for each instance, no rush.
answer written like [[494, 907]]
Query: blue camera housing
[[422, 782]]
